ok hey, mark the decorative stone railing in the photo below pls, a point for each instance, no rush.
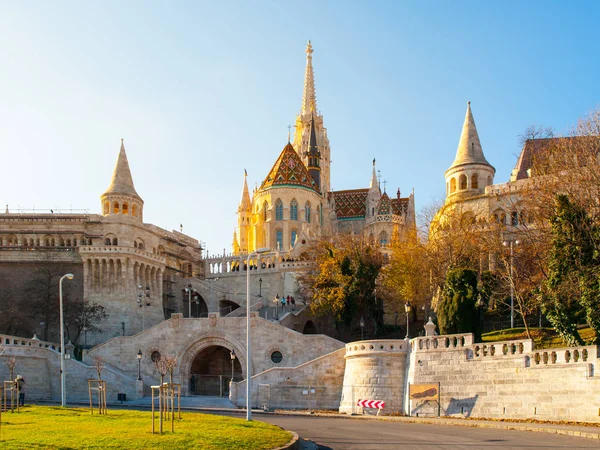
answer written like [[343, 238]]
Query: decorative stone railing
[[232, 265], [385, 218], [502, 348], [14, 341], [439, 343], [362, 348], [118, 250], [564, 356]]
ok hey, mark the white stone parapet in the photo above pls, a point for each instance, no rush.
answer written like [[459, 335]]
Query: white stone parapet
[[118, 250], [6, 340]]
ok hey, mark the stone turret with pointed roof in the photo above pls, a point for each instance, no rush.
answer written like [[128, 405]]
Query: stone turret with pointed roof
[[121, 198], [470, 172], [244, 218], [374, 194]]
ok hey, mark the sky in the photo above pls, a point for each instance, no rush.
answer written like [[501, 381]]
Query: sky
[[200, 91]]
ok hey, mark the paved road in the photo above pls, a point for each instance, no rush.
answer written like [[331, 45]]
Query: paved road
[[350, 434]]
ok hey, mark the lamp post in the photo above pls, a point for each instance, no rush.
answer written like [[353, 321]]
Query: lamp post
[[407, 308], [63, 392], [85, 337], [143, 303], [260, 287], [480, 305], [232, 362], [248, 362], [139, 358], [189, 291], [276, 300], [362, 328], [509, 243]]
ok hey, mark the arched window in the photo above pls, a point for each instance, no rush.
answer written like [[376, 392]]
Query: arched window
[[106, 208], [265, 211], [115, 241], [294, 210], [383, 239], [135, 244], [125, 209], [116, 208], [134, 210], [307, 211], [278, 209], [453, 185], [107, 241], [462, 182], [474, 181], [293, 237], [514, 218], [279, 239]]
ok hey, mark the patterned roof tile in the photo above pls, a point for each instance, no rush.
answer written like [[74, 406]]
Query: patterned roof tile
[[289, 170]]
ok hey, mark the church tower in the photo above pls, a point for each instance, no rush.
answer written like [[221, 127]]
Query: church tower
[[374, 194], [308, 120], [244, 214], [121, 197], [314, 156], [470, 172]]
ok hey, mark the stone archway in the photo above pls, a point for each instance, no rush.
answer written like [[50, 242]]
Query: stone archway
[[310, 328], [211, 371], [196, 348]]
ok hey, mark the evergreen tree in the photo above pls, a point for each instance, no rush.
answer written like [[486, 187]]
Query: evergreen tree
[[457, 312]]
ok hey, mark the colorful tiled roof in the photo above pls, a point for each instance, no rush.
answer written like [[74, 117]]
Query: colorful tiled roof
[[289, 170], [350, 204], [384, 205], [399, 205]]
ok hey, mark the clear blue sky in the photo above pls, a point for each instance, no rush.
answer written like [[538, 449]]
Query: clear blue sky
[[201, 91]]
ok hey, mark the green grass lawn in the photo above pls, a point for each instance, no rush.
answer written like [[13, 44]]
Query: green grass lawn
[[542, 337], [49, 427]]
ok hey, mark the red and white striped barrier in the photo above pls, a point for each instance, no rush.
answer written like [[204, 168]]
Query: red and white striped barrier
[[375, 404]]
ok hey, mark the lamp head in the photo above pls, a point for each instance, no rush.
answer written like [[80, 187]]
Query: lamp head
[[362, 322], [69, 276], [407, 307], [139, 354], [232, 354]]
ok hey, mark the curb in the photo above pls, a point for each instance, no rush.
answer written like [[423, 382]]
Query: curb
[[293, 444]]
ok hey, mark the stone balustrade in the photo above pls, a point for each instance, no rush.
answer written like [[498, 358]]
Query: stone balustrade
[[232, 265], [502, 348], [361, 348], [439, 343], [6, 340], [581, 355], [118, 250]]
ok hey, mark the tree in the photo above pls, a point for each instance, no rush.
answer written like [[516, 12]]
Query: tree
[[82, 315], [342, 282], [42, 291], [457, 312]]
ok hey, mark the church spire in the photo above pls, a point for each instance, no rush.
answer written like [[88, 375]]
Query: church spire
[[245, 202], [469, 147], [313, 154], [122, 182], [309, 99], [374, 182]]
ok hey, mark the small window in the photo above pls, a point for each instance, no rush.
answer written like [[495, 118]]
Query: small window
[[276, 357], [125, 208], [134, 210], [462, 182], [307, 211], [106, 208], [474, 181], [453, 185], [115, 241], [116, 208], [293, 237], [279, 239], [514, 218], [294, 210], [107, 241], [279, 210]]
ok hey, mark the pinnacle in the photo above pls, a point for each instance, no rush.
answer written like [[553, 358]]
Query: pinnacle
[[122, 182]]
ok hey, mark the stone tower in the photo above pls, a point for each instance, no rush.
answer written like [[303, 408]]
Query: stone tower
[[309, 114], [470, 172], [244, 214]]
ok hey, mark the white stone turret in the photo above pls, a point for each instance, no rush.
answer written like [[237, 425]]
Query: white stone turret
[[244, 217], [374, 194], [470, 172], [121, 197]]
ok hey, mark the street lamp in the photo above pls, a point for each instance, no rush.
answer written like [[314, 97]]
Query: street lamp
[[139, 358], [63, 392], [260, 287], [276, 300], [189, 291], [407, 308], [362, 328], [480, 305], [232, 362], [248, 363], [509, 243]]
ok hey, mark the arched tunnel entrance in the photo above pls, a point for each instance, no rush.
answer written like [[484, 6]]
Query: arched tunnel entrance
[[211, 371]]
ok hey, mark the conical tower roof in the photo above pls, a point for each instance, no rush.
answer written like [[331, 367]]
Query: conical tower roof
[[122, 182], [469, 147], [289, 170], [245, 204]]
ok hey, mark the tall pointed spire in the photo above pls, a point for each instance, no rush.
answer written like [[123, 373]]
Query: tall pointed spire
[[245, 202], [374, 182], [122, 182], [469, 148], [309, 97]]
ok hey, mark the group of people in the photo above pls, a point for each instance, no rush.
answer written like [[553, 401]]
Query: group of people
[[289, 300]]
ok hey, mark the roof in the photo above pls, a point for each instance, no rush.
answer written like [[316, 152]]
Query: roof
[[538, 147], [469, 149], [384, 206], [122, 182], [400, 205], [350, 204], [289, 170]]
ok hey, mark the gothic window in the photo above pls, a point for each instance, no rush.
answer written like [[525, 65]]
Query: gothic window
[[462, 182], [293, 237], [453, 185], [278, 209], [279, 239], [125, 209], [474, 181], [307, 211], [265, 211], [383, 239], [116, 208], [294, 210], [106, 208]]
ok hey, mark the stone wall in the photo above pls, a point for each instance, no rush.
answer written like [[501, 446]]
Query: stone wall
[[316, 384]]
